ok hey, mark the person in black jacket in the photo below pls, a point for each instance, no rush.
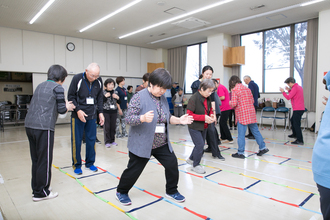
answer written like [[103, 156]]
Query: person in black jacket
[[86, 94]]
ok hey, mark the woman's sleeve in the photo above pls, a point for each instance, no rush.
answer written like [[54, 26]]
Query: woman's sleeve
[[195, 116], [133, 111], [233, 101]]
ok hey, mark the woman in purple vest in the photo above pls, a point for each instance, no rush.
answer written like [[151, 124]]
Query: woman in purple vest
[[149, 117]]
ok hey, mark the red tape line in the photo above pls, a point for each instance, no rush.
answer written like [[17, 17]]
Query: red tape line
[[285, 202], [195, 175], [152, 194], [199, 215]]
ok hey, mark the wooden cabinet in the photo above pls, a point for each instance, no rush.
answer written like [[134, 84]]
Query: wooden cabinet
[[233, 56]]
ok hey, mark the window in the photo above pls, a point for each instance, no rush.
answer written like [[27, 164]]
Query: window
[[269, 56], [196, 60]]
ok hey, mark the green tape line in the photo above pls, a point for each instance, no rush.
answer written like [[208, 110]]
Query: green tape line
[[129, 215], [100, 198], [79, 182]]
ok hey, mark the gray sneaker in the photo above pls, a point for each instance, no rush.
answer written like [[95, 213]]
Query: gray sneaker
[[190, 162], [198, 169]]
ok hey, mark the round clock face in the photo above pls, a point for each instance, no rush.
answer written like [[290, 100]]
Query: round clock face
[[70, 46]]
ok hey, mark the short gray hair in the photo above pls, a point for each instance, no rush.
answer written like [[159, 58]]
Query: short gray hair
[[246, 76], [92, 66], [206, 84]]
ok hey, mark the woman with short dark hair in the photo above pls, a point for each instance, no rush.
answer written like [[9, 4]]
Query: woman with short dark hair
[[296, 95], [122, 108], [111, 102], [149, 118], [242, 101]]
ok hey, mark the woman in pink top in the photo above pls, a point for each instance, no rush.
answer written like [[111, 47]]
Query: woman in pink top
[[225, 111], [296, 95]]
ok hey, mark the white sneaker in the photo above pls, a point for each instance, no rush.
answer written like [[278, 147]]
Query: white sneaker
[[51, 195], [231, 142], [49, 188], [190, 162], [198, 169]]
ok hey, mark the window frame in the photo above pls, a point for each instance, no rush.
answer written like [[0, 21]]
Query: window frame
[[292, 44], [199, 64]]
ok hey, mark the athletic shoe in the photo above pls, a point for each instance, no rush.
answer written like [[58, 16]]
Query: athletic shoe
[[123, 198], [263, 151], [207, 150], [231, 142], [198, 169], [235, 128], [107, 145], [78, 171], [231, 128], [291, 136], [92, 168], [51, 195], [49, 188], [114, 144], [176, 197], [190, 162], [297, 142], [125, 135], [97, 141], [220, 157], [251, 137], [237, 155], [119, 136]]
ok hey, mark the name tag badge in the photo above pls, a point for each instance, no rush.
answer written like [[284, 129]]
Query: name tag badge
[[160, 128], [180, 105], [125, 98], [90, 101], [112, 106]]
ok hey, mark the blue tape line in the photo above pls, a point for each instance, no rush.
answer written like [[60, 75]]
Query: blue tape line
[[95, 174], [106, 190], [133, 210], [138, 188], [257, 194], [251, 154], [252, 184], [153, 161], [182, 164], [111, 174], [66, 167], [306, 200], [284, 161], [211, 180], [213, 173], [173, 203], [310, 210], [226, 149]]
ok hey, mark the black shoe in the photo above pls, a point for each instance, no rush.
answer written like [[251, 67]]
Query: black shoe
[[237, 155], [297, 142], [251, 137], [291, 136], [261, 152], [208, 150], [97, 141], [235, 128], [247, 135], [220, 157]]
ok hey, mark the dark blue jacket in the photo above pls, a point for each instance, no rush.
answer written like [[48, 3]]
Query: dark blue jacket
[[255, 92]]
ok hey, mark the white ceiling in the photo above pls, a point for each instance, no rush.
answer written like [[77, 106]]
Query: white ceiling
[[67, 17]]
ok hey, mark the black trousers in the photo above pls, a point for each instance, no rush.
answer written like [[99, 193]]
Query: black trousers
[[231, 114], [41, 151], [212, 137], [325, 201], [224, 130], [198, 138], [296, 124], [109, 127], [136, 165]]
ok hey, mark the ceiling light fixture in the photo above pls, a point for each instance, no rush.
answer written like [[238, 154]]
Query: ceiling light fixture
[[229, 22], [178, 17], [41, 11], [311, 2], [110, 15]]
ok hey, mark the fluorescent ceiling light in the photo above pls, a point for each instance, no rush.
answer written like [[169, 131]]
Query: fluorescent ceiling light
[[229, 22], [311, 2], [41, 11], [178, 17], [110, 15]]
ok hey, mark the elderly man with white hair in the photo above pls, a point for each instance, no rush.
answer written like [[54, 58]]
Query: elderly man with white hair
[[255, 92], [86, 92]]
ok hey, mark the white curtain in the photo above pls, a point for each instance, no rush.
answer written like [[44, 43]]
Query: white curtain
[[177, 64], [310, 68]]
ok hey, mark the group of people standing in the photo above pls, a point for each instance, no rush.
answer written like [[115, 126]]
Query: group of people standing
[[147, 113]]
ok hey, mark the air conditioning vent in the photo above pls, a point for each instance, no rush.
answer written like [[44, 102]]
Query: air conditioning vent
[[191, 23]]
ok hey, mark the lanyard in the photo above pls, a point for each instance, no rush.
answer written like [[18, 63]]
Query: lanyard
[[124, 91], [89, 89], [206, 109]]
